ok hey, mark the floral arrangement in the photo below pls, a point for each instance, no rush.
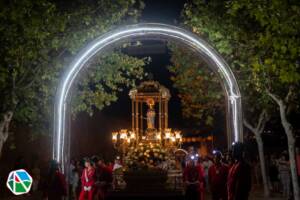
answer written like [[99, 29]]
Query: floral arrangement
[[146, 156]]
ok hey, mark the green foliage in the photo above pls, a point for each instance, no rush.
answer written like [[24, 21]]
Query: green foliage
[[105, 77], [39, 38], [259, 39], [199, 88]]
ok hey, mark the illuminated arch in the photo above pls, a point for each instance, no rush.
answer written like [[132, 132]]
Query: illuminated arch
[[216, 62]]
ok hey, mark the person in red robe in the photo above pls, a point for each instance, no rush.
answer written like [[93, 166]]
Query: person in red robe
[[87, 181], [201, 178], [217, 177], [104, 179], [239, 177], [193, 179]]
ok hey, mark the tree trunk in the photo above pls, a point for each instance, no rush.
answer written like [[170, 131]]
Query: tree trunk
[[4, 128], [257, 132], [262, 165], [288, 129], [293, 166], [291, 148]]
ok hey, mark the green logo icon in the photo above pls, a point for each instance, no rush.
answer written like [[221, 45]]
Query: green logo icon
[[19, 182]]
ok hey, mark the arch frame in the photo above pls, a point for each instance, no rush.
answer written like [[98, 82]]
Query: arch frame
[[219, 66]]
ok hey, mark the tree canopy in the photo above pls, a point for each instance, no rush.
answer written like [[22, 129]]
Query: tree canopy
[[39, 39], [199, 88], [261, 45]]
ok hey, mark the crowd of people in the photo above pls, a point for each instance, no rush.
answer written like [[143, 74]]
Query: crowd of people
[[279, 174], [90, 179], [231, 176], [227, 178]]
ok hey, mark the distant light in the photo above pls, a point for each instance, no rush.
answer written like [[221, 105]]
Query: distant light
[[192, 157]]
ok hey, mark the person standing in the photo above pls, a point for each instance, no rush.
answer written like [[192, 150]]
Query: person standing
[[217, 178], [191, 178], [284, 173], [206, 163], [104, 179], [117, 164], [273, 174], [298, 162], [36, 175], [87, 181], [74, 182], [201, 178], [239, 176], [56, 186]]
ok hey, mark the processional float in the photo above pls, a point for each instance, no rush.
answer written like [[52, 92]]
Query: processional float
[[149, 102]]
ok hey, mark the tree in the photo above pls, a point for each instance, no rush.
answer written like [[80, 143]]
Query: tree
[[261, 39], [190, 74], [38, 38], [277, 62]]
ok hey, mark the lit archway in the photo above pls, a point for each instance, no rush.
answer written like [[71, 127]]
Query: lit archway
[[216, 62]]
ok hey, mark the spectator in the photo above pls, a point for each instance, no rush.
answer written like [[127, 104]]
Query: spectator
[[87, 181], [217, 178], [36, 175], [74, 183], [273, 174], [206, 163], [284, 173], [298, 162], [239, 177], [56, 186], [117, 164], [192, 179], [104, 179], [201, 178]]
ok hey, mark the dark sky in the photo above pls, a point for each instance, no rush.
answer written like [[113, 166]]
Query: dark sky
[[162, 11]]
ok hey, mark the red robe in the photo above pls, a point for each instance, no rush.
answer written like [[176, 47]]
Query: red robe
[[104, 180], [56, 187], [217, 177], [87, 184], [194, 178], [239, 181]]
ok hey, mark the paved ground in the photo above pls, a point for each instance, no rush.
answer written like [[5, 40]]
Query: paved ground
[[256, 194]]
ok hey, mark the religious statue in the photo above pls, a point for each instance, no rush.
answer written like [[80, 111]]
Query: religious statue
[[150, 115]]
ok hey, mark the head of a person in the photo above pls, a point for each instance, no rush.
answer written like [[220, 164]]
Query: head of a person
[[284, 157], [78, 164], [217, 157], [87, 163], [190, 149], [199, 161], [95, 160], [100, 162], [72, 162], [54, 167], [118, 160], [238, 150], [191, 163]]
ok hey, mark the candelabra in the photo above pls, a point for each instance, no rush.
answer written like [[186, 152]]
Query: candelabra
[[123, 139]]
